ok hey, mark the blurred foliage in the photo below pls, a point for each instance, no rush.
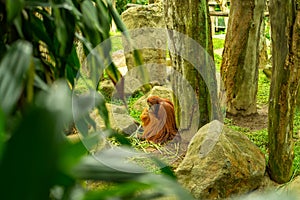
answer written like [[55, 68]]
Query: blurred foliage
[[39, 64], [121, 5]]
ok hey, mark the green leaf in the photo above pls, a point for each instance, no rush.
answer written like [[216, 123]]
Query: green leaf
[[116, 17], [165, 186], [120, 138], [36, 3], [165, 169], [13, 68], [104, 18], [39, 83], [34, 147], [48, 22], [65, 26], [18, 24], [109, 165], [38, 30], [102, 109], [90, 15], [81, 106], [91, 28], [120, 25], [113, 73], [71, 155], [121, 191], [14, 8], [73, 66], [2, 132]]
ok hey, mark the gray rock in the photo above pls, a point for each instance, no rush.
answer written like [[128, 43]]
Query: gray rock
[[142, 22], [220, 163], [119, 118], [107, 88]]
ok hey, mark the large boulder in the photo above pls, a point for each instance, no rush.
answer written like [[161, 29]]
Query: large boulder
[[220, 163], [146, 29]]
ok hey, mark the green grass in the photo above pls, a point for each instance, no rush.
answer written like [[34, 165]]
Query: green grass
[[116, 41], [218, 43], [263, 89], [296, 163], [218, 62], [131, 100]]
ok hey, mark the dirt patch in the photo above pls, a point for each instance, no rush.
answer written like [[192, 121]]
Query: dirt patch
[[253, 122]]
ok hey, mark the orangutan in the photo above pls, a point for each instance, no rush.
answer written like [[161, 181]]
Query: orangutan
[[159, 121]]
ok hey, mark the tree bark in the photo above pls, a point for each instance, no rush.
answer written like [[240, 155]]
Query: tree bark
[[191, 23], [239, 68], [263, 49], [285, 29]]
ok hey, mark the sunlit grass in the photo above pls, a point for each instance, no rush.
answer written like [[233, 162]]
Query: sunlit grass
[[218, 43], [116, 41], [296, 163], [131, 100], [263, 89], [218, 62]]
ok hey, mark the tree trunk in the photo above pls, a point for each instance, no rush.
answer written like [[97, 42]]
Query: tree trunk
[[191, 54], [263, 49], [239, 69], [284, 86]]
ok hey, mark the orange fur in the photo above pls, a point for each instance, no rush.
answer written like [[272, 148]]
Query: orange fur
[[159, 121]]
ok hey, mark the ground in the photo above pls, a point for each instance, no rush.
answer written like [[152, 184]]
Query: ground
[[253, 122]]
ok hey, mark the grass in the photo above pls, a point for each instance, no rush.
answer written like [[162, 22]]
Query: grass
[[218, 62], [263, 89], [218, 44], [130, 101], [296, 164], [116, 41]]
